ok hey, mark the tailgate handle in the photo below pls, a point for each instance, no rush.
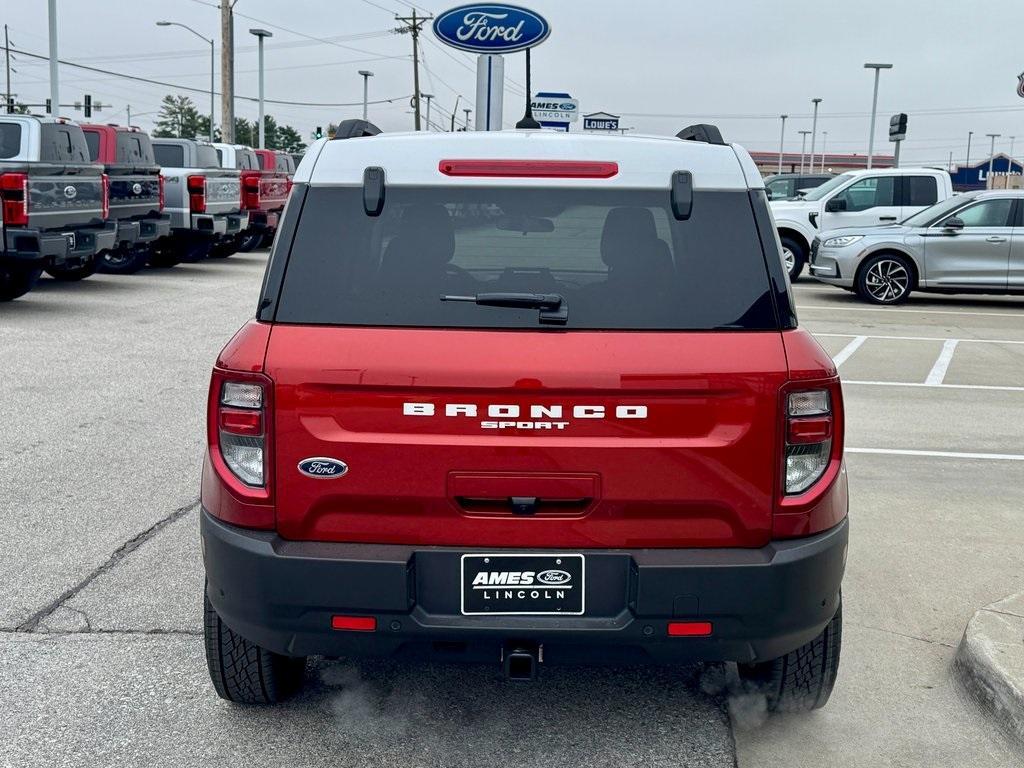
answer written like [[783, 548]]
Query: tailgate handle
[[522, 506]]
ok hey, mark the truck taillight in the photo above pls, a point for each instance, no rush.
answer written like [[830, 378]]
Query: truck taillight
[[161, 191], [196, 186], [14, 197], [241, 433], [809, 434], [105, 195], [251, 191]]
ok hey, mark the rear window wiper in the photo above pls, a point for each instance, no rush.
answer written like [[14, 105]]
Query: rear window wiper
[[552, 306]]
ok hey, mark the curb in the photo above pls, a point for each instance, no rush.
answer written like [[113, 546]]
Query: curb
[[990, 662]]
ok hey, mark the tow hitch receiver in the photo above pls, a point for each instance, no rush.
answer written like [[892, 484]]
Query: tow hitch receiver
[[520, 660]]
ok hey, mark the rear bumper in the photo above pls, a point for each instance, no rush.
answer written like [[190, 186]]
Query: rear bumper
[[219, 224], [263, 220], [140, 231], [762, 603], [41, 249]]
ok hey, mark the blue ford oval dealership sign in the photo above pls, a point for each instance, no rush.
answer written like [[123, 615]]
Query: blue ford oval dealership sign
[[491, 28]]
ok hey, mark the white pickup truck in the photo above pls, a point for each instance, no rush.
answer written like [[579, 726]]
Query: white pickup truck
[[855, 199]]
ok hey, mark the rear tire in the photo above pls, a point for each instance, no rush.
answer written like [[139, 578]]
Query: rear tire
[[885, 279], [803, 679], [250, 241], [242, 671], [123, 261], [72, 274], [16, 282], [795, 256]]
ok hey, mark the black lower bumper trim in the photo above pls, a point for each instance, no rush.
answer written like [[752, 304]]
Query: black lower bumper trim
[[762, 603]]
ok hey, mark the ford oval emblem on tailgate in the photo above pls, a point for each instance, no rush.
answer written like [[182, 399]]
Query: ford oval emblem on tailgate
[[70, 192], [322, 466]]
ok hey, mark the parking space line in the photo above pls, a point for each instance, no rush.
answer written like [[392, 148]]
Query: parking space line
[[844, 354], [938, 371], [992, 387], [887, 310], [920, 338], [939, 454]]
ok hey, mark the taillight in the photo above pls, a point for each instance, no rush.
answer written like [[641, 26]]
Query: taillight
[[161, 188], [251, 191], [196, 194], [809, 433], [241, 430], [14, 197], [105, 194]]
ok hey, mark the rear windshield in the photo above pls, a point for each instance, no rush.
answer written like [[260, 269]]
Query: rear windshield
[[169, 155], [92, 140], [206, 156], [134, 147], [10, 140], [63, 143], [618, 259]]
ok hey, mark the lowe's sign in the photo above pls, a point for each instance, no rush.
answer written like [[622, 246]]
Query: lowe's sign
[[491, 28]]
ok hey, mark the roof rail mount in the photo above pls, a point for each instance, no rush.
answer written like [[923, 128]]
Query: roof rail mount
[[351, 129], [705, 132]]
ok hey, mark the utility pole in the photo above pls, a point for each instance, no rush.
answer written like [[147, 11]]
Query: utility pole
[[803, 148], [7, 55], [814, 130], [991, 157], [227, 71], [467, 111], [874, 108], [782, 139], [824, 140], [54, 74], [414, 25], [454, 111], [261, 33], [967, 162]]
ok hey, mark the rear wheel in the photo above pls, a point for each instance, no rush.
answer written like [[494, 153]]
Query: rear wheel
[[886, 278], [16, 282], [803, 679], [250, 241], [795, 256], [123, 261], [71, 274], [244, 672]]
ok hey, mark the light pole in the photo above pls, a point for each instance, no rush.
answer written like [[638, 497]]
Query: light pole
[[991, 157], [814, 130], [803, 148], [1009, 165], [261, 33], [428, 97], [367, 74], [824, 140], [782, 139], [874, 107], [54, 69], [467, 111], [210, 41], [967, 162]]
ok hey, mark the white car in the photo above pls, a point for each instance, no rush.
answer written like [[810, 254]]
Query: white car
[[855, 199]]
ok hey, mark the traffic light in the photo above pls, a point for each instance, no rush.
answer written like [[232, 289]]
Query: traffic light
[[49, 107], [898, 127], [88, 105], [319, 132]]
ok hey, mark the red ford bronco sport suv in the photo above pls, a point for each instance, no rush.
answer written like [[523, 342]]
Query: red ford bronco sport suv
[[525, 398]]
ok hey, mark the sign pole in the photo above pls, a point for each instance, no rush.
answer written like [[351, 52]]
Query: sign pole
[[490, 89]]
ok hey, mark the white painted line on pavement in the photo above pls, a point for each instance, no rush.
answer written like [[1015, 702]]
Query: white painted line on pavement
[[844, 354], [938, 371], [919, 338], [939, 454], [992, 387], [804, 307]]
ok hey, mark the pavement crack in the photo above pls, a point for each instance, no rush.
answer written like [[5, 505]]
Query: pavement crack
[[901, 634], [125, 632], [31, 624]]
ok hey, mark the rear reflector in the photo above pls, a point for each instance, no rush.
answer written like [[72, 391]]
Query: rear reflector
[[809, 430], [541, 169], [241, 422], [689, 628], [354, 623]]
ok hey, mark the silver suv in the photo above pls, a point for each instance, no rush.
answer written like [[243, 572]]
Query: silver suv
[[971, 243]]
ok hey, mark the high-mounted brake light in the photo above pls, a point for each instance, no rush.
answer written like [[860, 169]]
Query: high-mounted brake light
[[809, 428], [539, 169], [196, 186], [14, 197], [106, 197]]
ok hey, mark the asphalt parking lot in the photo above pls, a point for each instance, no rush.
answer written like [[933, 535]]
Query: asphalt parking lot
[[102, 399]]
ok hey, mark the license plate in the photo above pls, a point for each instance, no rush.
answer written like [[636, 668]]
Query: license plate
[[520, 585]]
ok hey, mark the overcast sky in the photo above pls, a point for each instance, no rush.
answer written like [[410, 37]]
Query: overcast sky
[[661, 64]]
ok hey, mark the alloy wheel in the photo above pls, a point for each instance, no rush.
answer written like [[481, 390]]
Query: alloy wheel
[[887, 280]]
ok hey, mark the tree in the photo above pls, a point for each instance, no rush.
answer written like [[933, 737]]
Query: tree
[[179, 118], [289, 139]]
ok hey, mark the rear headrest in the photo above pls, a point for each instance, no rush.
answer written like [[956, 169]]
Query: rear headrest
[[426, 234], [626, 230]]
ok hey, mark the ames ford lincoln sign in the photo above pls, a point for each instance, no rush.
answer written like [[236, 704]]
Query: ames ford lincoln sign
[[488, 28]]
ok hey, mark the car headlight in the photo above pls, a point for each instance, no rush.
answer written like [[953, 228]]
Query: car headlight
[[841, 242]]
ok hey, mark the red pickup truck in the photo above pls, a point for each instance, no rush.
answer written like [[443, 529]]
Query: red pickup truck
[[264, 193], [277, 169]]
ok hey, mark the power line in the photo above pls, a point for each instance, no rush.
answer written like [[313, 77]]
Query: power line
[[176, 86]]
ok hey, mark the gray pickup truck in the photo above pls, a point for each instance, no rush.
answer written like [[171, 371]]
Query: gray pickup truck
[[53, 203], [203, 200]]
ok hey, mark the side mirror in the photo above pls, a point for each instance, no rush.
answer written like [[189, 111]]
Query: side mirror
[[768, 193], [836, 204], [953, 224]]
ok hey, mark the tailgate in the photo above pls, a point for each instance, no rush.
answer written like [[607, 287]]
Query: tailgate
[[223, 191], [506, 439], [59, 198], [134, 194], [273, 191]]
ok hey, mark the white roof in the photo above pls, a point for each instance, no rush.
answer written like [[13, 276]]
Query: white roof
[[411, 159]]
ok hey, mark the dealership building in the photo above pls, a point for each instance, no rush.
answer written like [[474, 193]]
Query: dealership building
[[768, 162]]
